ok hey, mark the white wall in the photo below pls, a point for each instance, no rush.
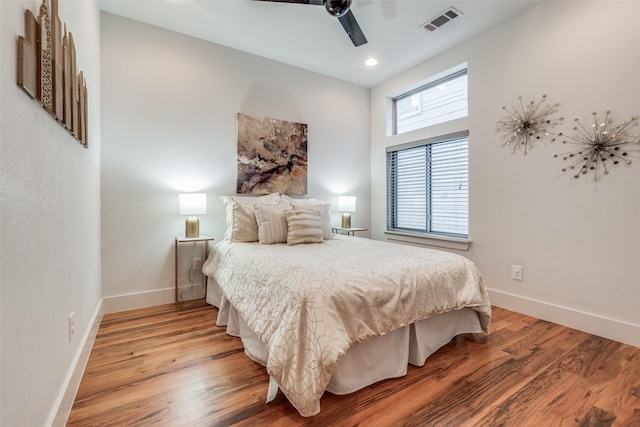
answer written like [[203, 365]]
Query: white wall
[[169, 118], [50, 227], [578, 241]]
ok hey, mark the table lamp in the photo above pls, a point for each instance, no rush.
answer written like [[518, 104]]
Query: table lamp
[[346, 204], [193, 204]]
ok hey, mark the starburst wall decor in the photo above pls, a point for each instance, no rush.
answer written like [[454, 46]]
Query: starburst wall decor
[[524, 125], [599, 146]]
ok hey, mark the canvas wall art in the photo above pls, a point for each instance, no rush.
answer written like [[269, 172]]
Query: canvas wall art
[[272, 156]]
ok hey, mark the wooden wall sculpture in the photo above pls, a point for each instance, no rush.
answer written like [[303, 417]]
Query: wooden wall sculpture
[[47, 70]]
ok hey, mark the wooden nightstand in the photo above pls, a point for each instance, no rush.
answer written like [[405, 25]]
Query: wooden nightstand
[[348, 231], [196, 304]]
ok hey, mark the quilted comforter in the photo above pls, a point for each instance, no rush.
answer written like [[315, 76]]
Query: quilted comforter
[[310, 303]]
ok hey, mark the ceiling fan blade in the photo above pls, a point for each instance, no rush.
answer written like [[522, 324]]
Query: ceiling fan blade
[[348, 21], [352, 28], [313, 2]]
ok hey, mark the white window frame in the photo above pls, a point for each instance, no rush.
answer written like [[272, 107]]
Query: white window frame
[[431, 133], [419, 92], [426, 192]]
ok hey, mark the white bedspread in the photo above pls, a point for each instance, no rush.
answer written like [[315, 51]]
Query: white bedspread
[[310, 303]]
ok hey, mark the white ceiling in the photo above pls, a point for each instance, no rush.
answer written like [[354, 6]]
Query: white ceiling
[[306, 36]]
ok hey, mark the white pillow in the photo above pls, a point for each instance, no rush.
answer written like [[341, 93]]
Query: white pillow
[[300, 202], [241, 221], [325, 218], [303, 226], [272, 225]]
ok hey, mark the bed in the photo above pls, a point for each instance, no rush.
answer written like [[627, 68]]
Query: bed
[[326, 315]]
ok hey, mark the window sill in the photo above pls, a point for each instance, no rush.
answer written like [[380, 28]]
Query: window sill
[[429, 240]]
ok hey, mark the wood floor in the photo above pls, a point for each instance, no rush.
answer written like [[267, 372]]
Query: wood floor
[[155, 367]]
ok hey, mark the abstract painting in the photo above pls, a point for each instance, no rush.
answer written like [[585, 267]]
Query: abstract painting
[[272, 156]]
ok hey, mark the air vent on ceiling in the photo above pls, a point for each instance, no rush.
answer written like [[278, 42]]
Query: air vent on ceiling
[[446, 16]]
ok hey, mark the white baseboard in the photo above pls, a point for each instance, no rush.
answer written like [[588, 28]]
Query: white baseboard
[[64, 403], [587, 322], [126, 302]]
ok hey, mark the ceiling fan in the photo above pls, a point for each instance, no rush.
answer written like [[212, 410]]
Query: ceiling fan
[[341, 10]]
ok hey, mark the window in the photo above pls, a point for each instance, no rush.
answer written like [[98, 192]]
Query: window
[[428, 186], [437, 102]]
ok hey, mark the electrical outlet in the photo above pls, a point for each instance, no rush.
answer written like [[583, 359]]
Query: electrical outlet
[[516, 272], [72, 326], [197, 263]]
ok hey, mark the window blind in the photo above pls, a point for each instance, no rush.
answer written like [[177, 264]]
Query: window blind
[[428, 187]]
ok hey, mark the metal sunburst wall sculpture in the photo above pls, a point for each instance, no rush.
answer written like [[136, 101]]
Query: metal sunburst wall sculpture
[[599, 146], [525, 125]]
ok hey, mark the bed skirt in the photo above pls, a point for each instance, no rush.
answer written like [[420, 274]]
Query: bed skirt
[[368, 362]]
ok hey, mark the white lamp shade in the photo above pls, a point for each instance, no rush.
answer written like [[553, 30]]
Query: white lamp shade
[[193, 204], [346, 203]]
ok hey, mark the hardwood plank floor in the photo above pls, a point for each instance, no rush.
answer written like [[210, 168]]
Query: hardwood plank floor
[[155, 367]]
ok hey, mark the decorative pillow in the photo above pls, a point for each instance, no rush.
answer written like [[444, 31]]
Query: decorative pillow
[[300, 202], [304, 226], [272, 225], [325, 218], [241, 221]]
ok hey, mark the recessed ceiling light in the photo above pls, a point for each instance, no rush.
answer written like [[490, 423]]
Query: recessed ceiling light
[[371, 62]]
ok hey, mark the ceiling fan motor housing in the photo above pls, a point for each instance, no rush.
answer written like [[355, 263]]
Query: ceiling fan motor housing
[[337, 8]]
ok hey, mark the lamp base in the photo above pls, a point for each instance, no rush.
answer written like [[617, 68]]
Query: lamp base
[[346, 220], [192, 227]]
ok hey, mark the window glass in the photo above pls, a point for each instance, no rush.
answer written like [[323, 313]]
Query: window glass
[[437, 102]]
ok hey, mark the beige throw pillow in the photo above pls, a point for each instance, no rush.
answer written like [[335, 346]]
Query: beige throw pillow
[[325, 219], [303, 226], [272, 225], [241, 220]]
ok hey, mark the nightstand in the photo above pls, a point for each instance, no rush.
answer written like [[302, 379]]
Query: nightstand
[[348, 231], [196, 304]]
